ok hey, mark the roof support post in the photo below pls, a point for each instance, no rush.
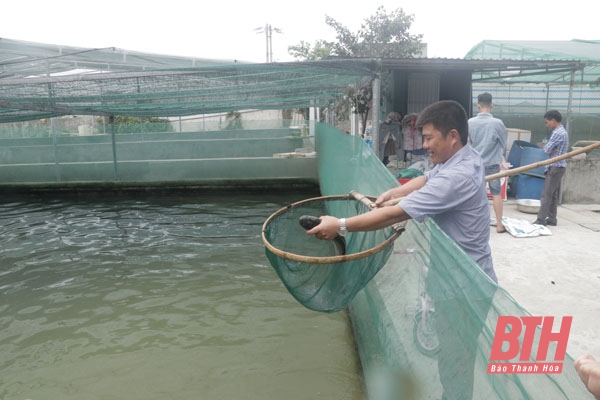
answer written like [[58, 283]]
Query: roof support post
[[313, 116], [354, 131], [375, 111]]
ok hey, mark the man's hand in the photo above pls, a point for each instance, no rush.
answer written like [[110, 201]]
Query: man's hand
[[589, 372], [327, 229], [393, 196], [383, 197]]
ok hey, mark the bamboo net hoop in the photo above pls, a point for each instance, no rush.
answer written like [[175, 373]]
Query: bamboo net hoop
[[369, 201]]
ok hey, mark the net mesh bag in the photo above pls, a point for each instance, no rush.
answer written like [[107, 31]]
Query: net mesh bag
[[324, 275]]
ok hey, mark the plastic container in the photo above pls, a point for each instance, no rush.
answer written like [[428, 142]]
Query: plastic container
[[514, 156], [516, 134], [530, 155], [529, 206], [523, 186]]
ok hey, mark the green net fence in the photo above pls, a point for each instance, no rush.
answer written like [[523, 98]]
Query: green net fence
[[522, 106], [425, 322]]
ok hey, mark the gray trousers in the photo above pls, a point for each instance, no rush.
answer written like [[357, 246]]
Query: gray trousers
[[550, 194]]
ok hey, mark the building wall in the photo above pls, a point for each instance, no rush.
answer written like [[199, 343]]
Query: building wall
[[414, 90]]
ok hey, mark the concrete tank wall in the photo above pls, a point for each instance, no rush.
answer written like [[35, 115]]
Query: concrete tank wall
[[581, 183], [243, 158]]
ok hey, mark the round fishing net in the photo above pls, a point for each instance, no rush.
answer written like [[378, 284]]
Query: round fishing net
[[325, 275]]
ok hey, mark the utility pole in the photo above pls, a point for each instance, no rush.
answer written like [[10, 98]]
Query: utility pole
[[268, 30]]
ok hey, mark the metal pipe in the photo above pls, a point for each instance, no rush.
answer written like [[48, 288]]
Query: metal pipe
[[111, 121], [570, 102], [54, 145]]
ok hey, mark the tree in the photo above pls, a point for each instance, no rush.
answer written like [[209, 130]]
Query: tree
[[234, 120], [304, 51], [382, 35], [129, 124]]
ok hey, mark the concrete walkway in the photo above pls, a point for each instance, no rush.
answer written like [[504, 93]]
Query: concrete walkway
[[557, 275]]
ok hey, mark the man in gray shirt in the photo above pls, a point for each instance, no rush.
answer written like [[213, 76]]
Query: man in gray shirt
[[453, 195], [488, 136]]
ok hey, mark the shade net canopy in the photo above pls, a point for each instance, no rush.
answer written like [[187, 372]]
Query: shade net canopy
[[425, 323], [42, 81]]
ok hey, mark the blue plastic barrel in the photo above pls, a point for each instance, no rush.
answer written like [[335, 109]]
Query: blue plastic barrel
[[523, 186], [530, 155], [516, 150]]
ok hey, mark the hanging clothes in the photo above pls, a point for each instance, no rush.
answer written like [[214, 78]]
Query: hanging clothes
[[412, 138], [390, 136]]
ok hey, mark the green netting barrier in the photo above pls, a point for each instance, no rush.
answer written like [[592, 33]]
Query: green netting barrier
[[425, 322]]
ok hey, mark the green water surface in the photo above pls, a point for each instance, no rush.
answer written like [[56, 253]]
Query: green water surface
[[158, 297]]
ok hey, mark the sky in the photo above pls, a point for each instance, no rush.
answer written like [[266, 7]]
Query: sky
[[218, 29]]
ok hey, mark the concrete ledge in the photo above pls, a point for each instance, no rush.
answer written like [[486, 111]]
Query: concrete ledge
[[246, 172]]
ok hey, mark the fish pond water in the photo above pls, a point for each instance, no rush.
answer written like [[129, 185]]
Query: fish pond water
[[154, 296]]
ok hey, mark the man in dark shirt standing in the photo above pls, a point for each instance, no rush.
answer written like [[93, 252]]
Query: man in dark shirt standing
[[556, 146]]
